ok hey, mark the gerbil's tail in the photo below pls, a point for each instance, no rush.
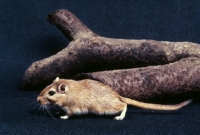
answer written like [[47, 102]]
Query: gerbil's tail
[[154, 106]]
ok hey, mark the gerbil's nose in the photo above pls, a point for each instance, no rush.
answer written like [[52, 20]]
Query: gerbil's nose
[[38, 100]]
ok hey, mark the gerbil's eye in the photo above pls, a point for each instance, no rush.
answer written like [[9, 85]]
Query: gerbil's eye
[[51, 93]]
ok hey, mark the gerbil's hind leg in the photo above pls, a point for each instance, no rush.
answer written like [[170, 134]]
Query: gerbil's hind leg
[[122, 115]]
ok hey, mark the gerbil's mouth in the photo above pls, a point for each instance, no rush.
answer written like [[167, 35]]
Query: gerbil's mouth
[[47, 109], [42, 101]]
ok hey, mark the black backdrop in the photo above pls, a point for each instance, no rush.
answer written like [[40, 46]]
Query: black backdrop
[[26, 36]]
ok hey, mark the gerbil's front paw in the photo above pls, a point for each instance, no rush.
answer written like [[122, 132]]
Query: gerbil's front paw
[[118, 118], [64, 117]]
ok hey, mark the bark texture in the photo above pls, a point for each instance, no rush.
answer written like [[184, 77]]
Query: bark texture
[[161, 61], [178, 79]]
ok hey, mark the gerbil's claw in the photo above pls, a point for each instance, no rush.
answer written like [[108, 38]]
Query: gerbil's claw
[[118, 118], [64, 117]]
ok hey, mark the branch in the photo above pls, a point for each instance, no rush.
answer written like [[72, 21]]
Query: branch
[[67, 22], [178, 79], [88, 52]]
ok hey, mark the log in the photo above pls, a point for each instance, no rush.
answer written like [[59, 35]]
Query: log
[[89, 52], [180, 79]]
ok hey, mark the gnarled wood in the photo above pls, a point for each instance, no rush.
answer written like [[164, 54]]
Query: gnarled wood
[[178, 79], [88, 52]]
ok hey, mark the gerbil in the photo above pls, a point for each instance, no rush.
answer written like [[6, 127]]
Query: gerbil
[[89, 96]]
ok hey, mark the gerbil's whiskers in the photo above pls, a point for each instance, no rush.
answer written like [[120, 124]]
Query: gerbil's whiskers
[[43, 109], [49, 111], [33, 103], [35, 106], [39, 107], [53, 107]]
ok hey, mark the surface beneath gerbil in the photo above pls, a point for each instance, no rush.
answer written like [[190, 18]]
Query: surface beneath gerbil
[[26, 36]]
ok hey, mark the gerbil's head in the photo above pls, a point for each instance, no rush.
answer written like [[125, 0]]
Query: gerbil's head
[[53, 93]]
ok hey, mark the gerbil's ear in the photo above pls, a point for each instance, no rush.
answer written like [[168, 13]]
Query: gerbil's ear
[[57, 79], [62, 88]]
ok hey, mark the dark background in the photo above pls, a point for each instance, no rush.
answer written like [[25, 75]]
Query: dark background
[[26, 36]]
